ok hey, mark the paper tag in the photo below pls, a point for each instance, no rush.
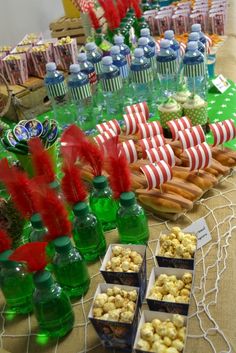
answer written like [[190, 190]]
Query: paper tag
[[201, 230], [221, 83]]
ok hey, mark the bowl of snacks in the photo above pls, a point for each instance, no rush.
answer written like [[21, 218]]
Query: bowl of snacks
[[114, 315], [169, 290], [176, 249], [126, 265], [161, 333]]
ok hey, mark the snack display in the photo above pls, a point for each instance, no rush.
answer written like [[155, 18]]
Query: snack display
[[124, 260]]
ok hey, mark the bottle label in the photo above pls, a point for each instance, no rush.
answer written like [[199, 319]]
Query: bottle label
[[194, 70], [167, 68], [112, 84], [80, 93], [98, 67], [142, 76], [93, 78], [57, 90], [124, 71]]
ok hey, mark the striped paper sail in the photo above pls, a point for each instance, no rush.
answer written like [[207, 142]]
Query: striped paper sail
[[163, 153], [223, 131], [128, 149], [177, 125], [199, 156], [101, 138], [132, 122], [191, 137], [151, 142], [157, 174], [139, 107], [112, 124], [150, 129]]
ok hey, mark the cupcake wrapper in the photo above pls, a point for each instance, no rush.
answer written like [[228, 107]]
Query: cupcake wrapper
[[198, 116], [167, 116]]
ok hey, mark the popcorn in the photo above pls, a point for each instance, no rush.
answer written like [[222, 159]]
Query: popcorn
[[177, 344], [178, 244], [178, 320], [126, 316], [143, 345], [124, 260], [97, 312], [158, 347], [182, 334], [109, 307], [171, 350], [65, 40]]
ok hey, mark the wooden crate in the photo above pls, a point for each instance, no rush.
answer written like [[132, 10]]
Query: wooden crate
[[72, 27]]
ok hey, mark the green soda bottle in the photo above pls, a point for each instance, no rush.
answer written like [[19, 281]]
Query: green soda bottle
[[16, 284], [88, 234], [124, 30], [70, 269], [98, 36], [131, 220], [52, 307], [140, 24], [38, 230], [102, 203]]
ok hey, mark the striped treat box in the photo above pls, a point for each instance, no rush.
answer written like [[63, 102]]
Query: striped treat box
[[223, 131], [163, 153], [157, 174], [199, 156], [191, 137], [152, 142], [128, 149], [177, 125]]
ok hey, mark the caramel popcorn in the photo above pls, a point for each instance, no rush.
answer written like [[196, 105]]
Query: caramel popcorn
[[124, 260]]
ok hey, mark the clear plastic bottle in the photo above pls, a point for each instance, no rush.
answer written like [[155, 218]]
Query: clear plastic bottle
[[57, 93], [52, 307], [167, 69], [141, 77], [70, 269], [81, 96], [131, 220], [124, 49], [94, 56], [111, 82], [16, 284], [196, 27], [145, 32], [88, 69], [194, 37], [149, 53], [174, 44], [102, 203], [87, 233], [194, 70]]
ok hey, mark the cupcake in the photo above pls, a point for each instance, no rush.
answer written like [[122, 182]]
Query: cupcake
[[169, 110], [181, 96], [195, 108]]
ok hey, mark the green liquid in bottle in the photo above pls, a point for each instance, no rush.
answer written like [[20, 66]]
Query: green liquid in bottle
[[102, 203], [88, 234], [52, 307], [70, 269], [16, 285], [132, 222]]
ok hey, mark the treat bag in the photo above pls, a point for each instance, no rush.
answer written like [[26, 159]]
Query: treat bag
[[66, 54], [16, 68]]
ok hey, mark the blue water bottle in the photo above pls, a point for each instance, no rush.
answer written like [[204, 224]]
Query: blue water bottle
[[145, 32], [194, 70], [195, 37], [148, 53], [81, 96], [94, 56], [58, 95], [111, 83], [88, 69], [167, 70], [142, 78], [174, 44], [196, 27], [124, 49]]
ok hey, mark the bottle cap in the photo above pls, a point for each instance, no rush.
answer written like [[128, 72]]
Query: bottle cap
[[145, 32], [107, 60], [143, 41], [80, 209], [36, 221], [194, 36], [74, 68], [115, 50], [192, 46], [43, 279], [90, 46], [169, 34], [82, 57], [62, 245], [127, 199], [5, 255], [196, 27], [51, 66], [138, 52], [100, 182], [54, 185], [119, 39], [165, 43]]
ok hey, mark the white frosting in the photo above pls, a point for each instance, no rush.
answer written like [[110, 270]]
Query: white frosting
[[194, 102], [170, 106]]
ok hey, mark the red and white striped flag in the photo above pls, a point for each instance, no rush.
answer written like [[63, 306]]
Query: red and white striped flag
[[132, 121], [182, 48], [157, 174], [223, 131], [128, 149], [199, 156], [158, 44], [177, 125], [139, 107], [112, 124], [151, 142], [83, 5], [101, 138], [150, 129], [208, 44], [191, 137], [163, 153]]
